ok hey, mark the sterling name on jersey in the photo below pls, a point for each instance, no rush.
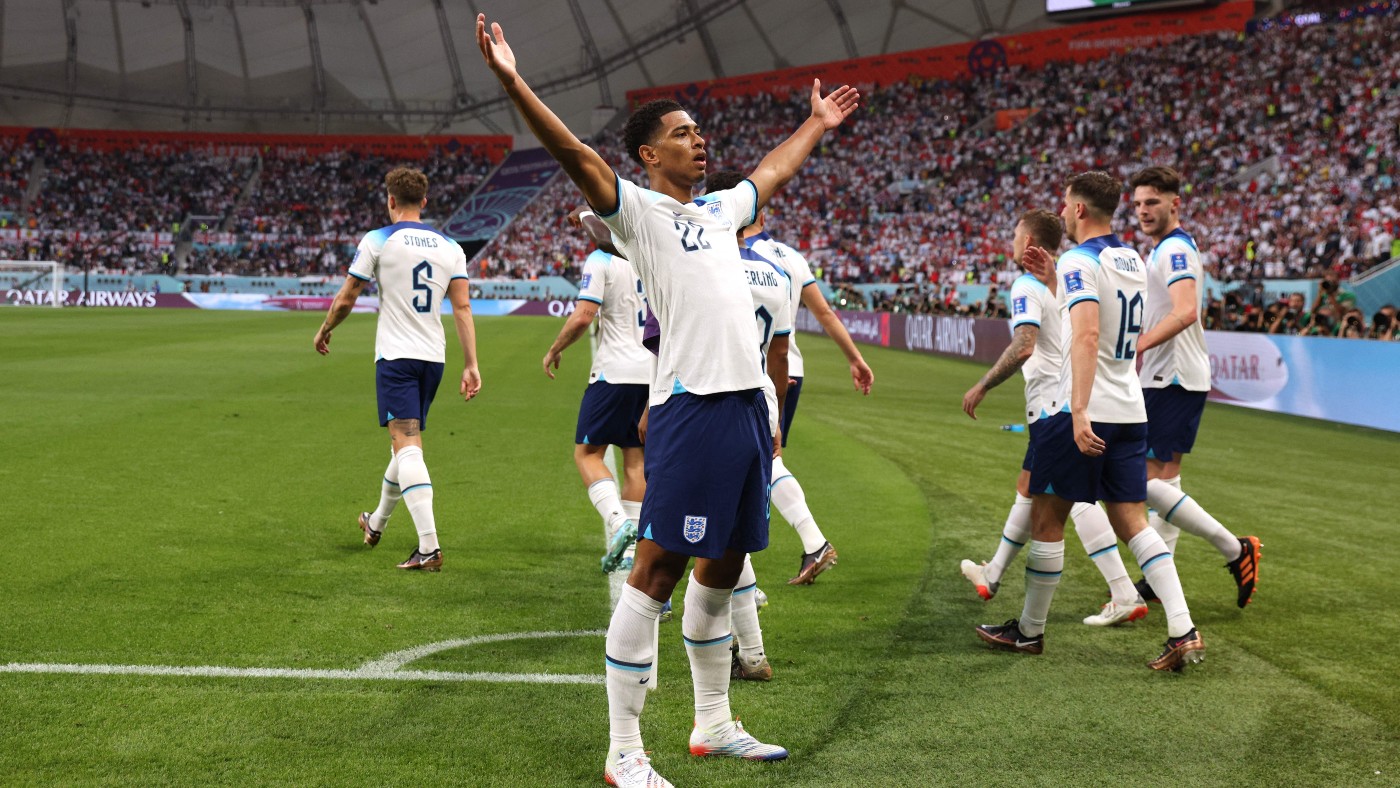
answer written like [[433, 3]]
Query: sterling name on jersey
[[686, 255], [772, 311], [610, 283], [1032, 304], [800, 273], [1105, 271], [1181, 360], [414, 264]]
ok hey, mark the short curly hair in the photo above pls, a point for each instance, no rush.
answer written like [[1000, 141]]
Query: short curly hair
[[1099, 190], [644, 123], [407, 185]]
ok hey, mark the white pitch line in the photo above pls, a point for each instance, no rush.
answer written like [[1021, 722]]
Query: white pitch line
[[387, 668]]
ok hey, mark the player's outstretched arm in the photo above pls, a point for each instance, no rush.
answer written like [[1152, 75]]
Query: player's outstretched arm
[[581, 163], [1012, 359], [1184, 313], [459, 291], [781, 163], [341, 306], [861, 375], [574, 327]]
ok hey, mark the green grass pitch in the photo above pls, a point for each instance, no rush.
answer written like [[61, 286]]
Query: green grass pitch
[[180, 489]]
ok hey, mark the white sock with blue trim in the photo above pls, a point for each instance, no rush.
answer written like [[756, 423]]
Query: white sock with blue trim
[[705, 627], [633, 511], [628, 657], [416, 487], [388, 495], [1160, 570], [1044, 563], [1182, 511], [1096, 534], [603, 494], [747, 632], [1013, 537], [791, 501]]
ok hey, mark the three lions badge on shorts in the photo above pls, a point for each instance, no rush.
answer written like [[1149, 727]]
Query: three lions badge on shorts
[[694, 529]]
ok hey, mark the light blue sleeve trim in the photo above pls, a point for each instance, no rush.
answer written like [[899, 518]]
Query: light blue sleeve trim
[[460, 276], [361, 276], [754, 217], [1082, 299], [782, 333], [597, 301], [1176, 279], [811, 281], [1035, 323], [617, 180]]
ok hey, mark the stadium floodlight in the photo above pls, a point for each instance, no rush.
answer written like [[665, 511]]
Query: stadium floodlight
[[32, 283]]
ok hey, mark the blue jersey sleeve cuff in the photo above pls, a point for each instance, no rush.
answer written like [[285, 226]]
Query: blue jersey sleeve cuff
[[617, 181], [753, 218], [1020, 323], [1176, 279], [360, 276], [811, 281], [597, 301], [1082, 299], [460, 276], [782, 333]]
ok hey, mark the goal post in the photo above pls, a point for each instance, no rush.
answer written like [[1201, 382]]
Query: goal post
[[32, 283]]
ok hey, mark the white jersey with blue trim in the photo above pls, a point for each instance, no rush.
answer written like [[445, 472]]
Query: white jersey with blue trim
[[800, 273], [609, 282], [413, 264], [1033, 304], [772, 312], [1181, 360], [685, 254], [1105, 271]]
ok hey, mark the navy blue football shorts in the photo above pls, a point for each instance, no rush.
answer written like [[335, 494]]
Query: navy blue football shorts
[[1173, 417], [609, 413], [1029, 461], [1059, 468], [405, 388], [709, 463], [790, 408]]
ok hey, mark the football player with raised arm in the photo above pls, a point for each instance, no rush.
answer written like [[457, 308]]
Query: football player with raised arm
[[709, 447], [1093, 445], [1176, 378], [415, 266], [1035, 350]]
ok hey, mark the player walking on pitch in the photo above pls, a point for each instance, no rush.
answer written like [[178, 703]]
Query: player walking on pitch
[[1176, 378], [1095, 446], [1035, 350], [709, 449], [616, 396], [415, 266]]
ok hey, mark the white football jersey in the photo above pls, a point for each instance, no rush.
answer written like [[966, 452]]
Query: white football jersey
[[1103, 270], [772, 311], [413, 263], [609, 282], [686, 256], [799, 273], [1032, 303], [1181, 360]]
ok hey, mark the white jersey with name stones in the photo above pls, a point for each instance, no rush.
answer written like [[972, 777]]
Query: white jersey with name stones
[[686, 255], [1181, 360], [1033, 304], [1104, 270], [800, 273], [413, 264], [609, 282]]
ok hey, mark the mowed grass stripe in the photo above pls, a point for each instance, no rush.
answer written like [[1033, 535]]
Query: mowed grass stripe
[[189, 535]]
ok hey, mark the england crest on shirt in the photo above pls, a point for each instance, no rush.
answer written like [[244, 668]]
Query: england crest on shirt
[[1178, 261], [717, 210], [694, 529], [1018, 305], [1073, 282]]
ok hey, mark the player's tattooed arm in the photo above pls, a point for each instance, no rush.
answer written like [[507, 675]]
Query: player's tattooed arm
[[1012, 359]]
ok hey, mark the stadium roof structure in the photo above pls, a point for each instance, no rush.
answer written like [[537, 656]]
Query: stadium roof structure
[[412, 66]]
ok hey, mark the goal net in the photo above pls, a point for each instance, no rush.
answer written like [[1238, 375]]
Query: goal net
[[32, 283]]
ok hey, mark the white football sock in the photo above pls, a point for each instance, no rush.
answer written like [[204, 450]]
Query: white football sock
[[1014, 536], [632, 510], [787, 495], [1169, 532], [1160, 571], [1096, 533], [705, 627], [1044, 563], [1182, 511], [388, 495], [417, 492], [603, 494], [628, 659], [747, 631]]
